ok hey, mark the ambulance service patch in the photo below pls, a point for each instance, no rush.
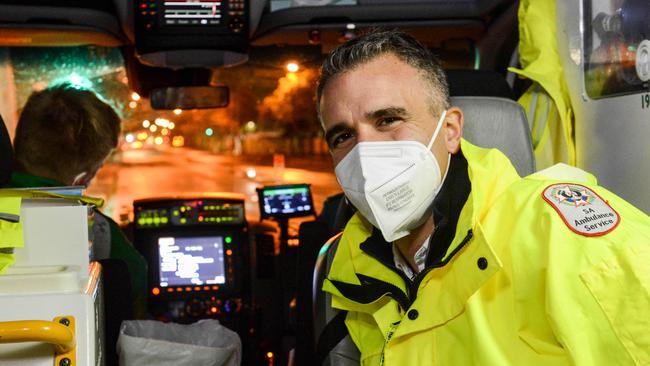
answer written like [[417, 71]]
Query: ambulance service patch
[[581, 209]]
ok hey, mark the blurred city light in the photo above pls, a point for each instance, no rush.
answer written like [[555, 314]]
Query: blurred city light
[[250, 126], [178, 141], [178, 111], [162, 122], [171, 125], [164, 132], [146, 123], [129, 138], [153, 128], [251, 173], [158, 140], [137, 145], [142, 136], [292, 67], [135, 96], [133, 104], [74, 80], [209, 131]]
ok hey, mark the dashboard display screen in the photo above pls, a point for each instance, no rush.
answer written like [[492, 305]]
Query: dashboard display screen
[[286, 201], [191, 261], [195, 12]]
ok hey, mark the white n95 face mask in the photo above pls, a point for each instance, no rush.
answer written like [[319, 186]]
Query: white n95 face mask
[[392, 183]]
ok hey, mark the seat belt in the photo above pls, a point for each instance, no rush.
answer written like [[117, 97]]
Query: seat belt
[[332, 334]]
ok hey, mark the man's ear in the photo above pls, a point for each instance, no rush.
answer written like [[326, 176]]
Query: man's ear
[[454, 131]]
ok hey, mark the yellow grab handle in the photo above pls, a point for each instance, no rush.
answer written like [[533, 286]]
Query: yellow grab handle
[[55, 332]]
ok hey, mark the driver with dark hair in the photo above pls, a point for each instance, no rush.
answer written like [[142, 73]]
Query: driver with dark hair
[[64, 135], [452, 258]]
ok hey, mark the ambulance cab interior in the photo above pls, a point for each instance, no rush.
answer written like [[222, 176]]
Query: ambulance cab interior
[[177, 55]]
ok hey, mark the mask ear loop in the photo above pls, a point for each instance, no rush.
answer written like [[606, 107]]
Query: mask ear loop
[[433, 138], [438, 128]]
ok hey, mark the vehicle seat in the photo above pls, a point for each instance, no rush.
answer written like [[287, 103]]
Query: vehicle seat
[[490, 122], [6, 154]]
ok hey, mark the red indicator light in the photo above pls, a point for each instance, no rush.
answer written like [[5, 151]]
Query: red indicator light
[[170, 290], [229, 252], [155, 291], [215, 288], [143, 6], [197, 288], [214, 310], [200, 218], [179, 289], [188, 289], [206, 288]]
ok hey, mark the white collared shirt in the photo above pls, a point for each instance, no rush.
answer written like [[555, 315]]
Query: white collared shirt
[[420, 259]]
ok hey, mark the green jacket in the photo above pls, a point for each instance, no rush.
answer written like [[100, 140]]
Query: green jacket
[[120, 246], [531, 277]]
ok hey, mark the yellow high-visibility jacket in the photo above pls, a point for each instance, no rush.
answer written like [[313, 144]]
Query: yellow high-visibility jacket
[[531, 278], [547, 101]]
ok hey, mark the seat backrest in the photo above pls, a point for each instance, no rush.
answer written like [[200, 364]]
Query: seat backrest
[[498, 123], [6, 154], [490, 122]]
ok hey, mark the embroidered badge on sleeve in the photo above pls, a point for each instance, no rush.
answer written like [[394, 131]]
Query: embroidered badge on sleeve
[[581, 209]]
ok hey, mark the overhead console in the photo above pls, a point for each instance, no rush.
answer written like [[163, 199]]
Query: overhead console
[[198, 33], [369, 13]]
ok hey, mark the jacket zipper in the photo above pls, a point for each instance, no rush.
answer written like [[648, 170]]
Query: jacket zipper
[[391, 331]]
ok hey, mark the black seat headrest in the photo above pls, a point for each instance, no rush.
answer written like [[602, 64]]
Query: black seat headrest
[[478, 83]]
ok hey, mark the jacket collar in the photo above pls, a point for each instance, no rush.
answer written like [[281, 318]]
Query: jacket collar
[[446, 289]]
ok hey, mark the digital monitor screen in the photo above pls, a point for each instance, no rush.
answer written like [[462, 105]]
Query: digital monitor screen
[[286, 201], [185, 12], [189, 261]]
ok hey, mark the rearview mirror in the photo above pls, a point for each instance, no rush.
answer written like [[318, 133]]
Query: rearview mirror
[[190, 97]]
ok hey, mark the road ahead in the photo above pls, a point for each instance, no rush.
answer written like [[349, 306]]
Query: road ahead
[[137, 174]]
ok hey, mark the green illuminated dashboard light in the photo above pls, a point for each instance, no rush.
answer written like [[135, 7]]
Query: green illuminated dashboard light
[[156, 220], [228, 240], [164, 220], [183, 220], [149, 220], [141, 221]]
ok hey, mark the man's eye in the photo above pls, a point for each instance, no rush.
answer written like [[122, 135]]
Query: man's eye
[[340, 139], [388, 121]]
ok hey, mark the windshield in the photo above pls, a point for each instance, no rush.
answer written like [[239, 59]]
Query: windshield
[[269, 133]]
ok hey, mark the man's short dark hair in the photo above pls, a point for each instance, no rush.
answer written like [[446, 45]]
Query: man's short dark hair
[[379, 42], [64, 131]]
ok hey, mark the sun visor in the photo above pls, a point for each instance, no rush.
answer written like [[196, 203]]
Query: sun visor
[[32, 25]]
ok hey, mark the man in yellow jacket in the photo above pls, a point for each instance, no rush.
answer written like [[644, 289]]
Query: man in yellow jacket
[[452, 258]]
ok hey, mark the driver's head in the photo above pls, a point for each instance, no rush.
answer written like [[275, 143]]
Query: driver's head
[[65, 134], [383, 102], [385, 85]]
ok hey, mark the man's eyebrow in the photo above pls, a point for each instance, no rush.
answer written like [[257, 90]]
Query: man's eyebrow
[[387, 112], [339, 127]]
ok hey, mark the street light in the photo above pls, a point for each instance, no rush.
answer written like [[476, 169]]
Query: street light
[[178, 111], [135, 96], [292, 67], [209, 132]]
